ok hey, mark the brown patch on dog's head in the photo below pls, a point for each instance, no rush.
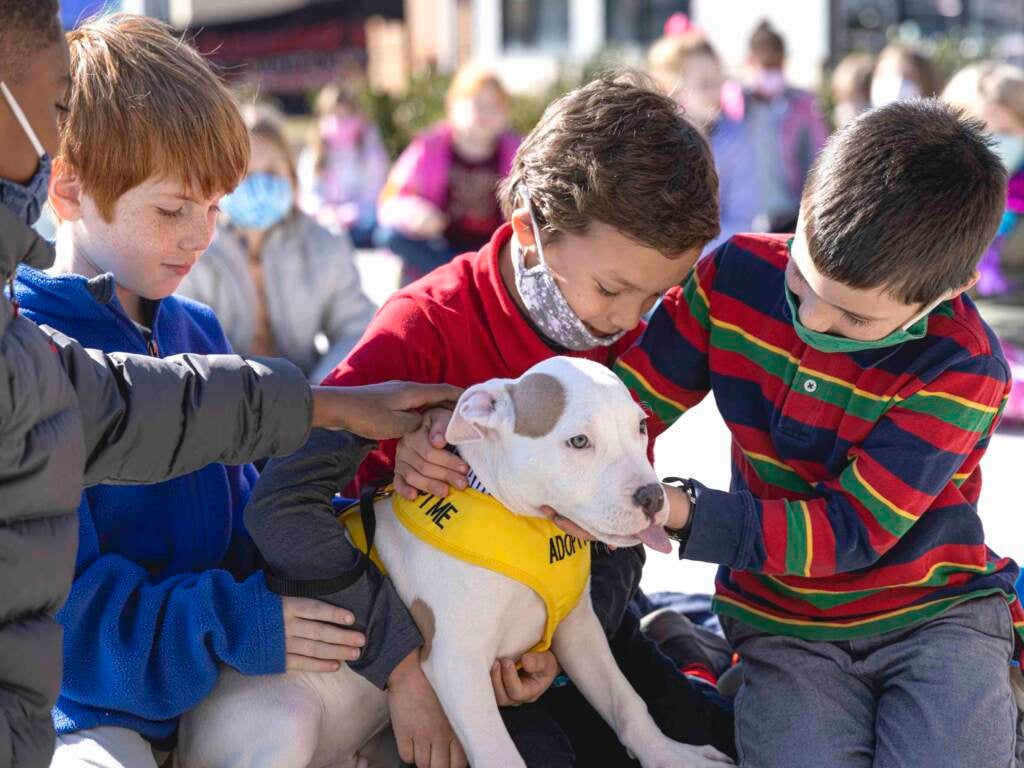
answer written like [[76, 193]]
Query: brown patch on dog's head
[[424, 618], [539, 401]]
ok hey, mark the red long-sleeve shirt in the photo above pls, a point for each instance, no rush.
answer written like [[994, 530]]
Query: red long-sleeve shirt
[[458, 325]]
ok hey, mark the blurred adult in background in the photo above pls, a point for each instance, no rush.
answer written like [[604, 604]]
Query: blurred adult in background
[[342, 171], [851, 87], [902, 72], [280, 283], [687, 67], [786, 127], [994, 93], [440, 198]]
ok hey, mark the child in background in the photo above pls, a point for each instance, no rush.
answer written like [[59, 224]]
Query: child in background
[[342, 171], [851, 87], [786, 127], [440, 199], [861, 388], [689, 70], [994, 93], [902, 72], [167, 584], [280, 284], [610, 200]]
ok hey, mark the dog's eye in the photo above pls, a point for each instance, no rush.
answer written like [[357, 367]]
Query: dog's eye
[[579, 442], [643, 426]]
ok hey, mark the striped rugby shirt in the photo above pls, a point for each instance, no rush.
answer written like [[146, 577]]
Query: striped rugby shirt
[[855, 478]]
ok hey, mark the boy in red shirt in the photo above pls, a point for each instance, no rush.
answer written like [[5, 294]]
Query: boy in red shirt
[[610, 200]]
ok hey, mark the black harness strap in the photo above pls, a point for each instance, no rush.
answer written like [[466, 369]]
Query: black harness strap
[[317, 587]]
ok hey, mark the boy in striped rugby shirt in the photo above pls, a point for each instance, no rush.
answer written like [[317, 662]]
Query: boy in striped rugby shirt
[[861, 388]]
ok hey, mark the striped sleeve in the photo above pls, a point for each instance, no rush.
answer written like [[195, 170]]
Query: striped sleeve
[[667, 368], [913, 459]]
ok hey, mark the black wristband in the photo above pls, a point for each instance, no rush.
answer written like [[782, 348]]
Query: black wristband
[[682, 535]]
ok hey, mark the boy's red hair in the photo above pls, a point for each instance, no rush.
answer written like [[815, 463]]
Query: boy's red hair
[[144, 103]]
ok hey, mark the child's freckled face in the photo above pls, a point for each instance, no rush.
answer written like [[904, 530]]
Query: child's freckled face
[[156, 235], [609, 280]]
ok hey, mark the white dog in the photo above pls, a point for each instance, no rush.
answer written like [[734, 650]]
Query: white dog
[[567, 435]]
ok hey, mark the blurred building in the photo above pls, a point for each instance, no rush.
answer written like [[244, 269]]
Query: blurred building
[[283, 47], [996, 26], [292, 46], [528, 40]]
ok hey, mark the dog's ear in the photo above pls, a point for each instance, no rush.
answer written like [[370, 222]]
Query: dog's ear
[[481, 407]]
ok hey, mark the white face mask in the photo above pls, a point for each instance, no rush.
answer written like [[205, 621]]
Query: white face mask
[[889, 88], [544, 300]]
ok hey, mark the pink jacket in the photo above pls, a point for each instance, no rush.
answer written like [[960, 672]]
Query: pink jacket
[[422, 171]]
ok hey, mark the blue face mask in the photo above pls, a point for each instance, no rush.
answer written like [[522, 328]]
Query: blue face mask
[[260, 201], [26, 201], [1010, 149]]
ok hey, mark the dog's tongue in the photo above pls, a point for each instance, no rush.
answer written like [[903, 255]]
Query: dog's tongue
[[656, 538]]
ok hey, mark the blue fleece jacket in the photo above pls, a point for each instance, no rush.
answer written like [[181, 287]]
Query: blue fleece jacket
[[167, 586]]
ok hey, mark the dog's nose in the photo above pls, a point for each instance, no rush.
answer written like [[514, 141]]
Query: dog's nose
[[650, 498]]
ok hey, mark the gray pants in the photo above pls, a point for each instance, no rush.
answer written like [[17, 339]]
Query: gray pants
[[934, 694]]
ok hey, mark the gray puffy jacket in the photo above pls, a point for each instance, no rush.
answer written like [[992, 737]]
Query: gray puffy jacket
[[70, 418]]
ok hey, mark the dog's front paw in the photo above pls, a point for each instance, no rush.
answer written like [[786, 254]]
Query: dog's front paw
[[672, 754]]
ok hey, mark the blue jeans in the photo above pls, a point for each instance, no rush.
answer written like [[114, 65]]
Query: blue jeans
[[933, 694], [362, 233]]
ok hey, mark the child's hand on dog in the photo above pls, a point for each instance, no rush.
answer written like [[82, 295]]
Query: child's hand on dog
[[378, 411], [422, 732], [513, 687], [422, 464], [314, 638], [568, 525]]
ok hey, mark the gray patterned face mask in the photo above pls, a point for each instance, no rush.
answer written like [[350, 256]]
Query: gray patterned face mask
[[544, 301]]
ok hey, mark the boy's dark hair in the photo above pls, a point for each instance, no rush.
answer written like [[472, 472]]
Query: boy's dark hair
[[906, 197], [767, 47], [618, 152], [24, 26]]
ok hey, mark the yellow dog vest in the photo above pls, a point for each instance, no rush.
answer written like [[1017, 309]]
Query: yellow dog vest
[[476, 528]]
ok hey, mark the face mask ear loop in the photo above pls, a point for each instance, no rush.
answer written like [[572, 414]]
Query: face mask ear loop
[[923, 313], [524, 192], [13, 299], [22, 120]]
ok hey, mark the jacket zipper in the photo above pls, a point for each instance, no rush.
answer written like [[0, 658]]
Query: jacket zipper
[[14, 300], [148, 344]]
